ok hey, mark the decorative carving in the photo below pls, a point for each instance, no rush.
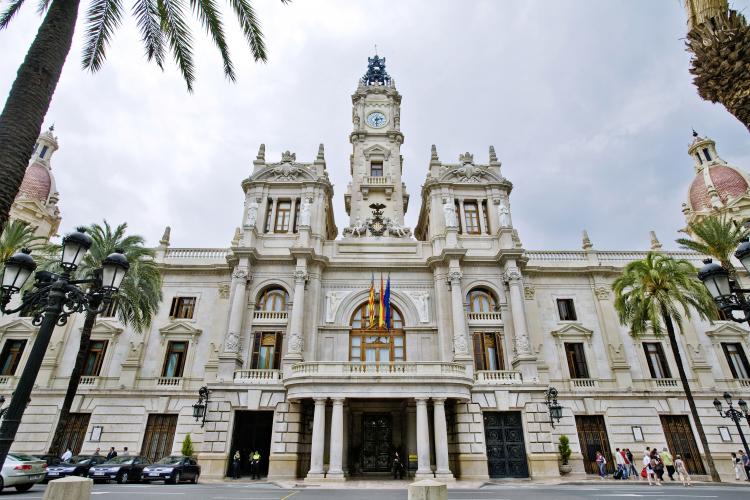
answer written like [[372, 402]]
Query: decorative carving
[[295, 343], [232, 342], [601, 292], [305, 210], [261, 153], [493, 156], [358, 228], [449, 213], [421, 302], [288, 157], [300, 276], [252, 212], [134, 353], [355, 119], [468, 172], [321, 153], [586, 241], [164, 241], [466, 158], [455, 277], [617, 354], [395, 229], [239, 273], [237, 237], [655, 243], [286, 172], [397, 117], [333, 301], [223, 290], [529, 292], [504, 214], [513, 274], [522, 344], [376, 223], [459, 345]]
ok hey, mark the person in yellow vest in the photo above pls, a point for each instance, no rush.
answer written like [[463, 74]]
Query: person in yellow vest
[[255, 465]]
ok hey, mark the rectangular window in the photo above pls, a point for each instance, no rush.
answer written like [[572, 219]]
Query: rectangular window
[[174, 361], [566, 309], [488, 351], [657, 361], [45, 148], [471, 213], [706, 153], [182, 308], [111, 310], [11, 356], [737, 360], [267, 350], [158, 437], [576, 360], [384, 347], [376, 168], [94, 358], [283, 216], [269, 214], [486, 217]]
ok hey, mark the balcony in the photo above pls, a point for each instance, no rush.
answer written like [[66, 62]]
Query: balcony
[[263, 377], [378, 183], [384, 380], [485, 318], [169, 383], [6, 380], [498, 377], [264, 317], [666, 384], [742, 383], [89, 381], [583, 383]]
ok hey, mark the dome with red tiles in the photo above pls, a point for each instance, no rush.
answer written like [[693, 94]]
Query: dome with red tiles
[[36, 183], [728, 182]]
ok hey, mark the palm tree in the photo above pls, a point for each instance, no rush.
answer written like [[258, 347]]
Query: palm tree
[[717, 236], [137, 300], [657, 292], [17, 235], [163, 26]]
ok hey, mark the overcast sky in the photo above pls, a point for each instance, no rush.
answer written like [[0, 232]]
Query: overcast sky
[[589, 105]]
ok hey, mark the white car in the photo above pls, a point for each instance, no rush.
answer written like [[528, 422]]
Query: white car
[[22, 471]]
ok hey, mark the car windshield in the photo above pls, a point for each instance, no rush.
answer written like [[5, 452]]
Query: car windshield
[[170, 461], [22, 458], [119, 460], [80, 459]]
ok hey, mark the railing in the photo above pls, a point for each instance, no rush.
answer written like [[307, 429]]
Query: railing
[[666, 383], [613, 257], [556, 255], [270, 315], [743, 383], [396, 368], [377, 180], [195, 253], [6, 379], [171, 382], [497, 377], [583, 383], [484, 316], [258, 376], [89, 380]]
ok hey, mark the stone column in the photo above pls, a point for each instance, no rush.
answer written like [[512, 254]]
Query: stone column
[[230, 359], [524, 360], [345, 454], [441, 440], [424, 470], [296, 342], [460, 345], [462, 214], [480, 211], [318, 440], [335, 470]]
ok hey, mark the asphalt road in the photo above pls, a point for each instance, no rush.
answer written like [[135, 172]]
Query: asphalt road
[[220, 491]]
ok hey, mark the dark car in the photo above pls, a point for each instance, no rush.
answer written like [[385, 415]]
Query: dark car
[[174, 469], [50, 459], [76, 466], [123, 469]]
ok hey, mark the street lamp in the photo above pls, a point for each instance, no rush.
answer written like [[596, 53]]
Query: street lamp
[[734, 415], [727, 294], [555, 410], [201, 407], [53, 298]]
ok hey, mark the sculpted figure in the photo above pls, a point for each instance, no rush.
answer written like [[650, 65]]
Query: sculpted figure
[[252, 213], [449, 211], [504, 215], [304, 212]]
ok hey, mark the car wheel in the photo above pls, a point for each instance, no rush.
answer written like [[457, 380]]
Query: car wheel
[[195, 478], [2, 483], [24, 487], [177, 478], [123, 478]]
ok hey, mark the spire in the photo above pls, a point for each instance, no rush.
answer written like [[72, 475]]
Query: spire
[[164, 241], [655, 243], [321, 155], [433, 154], [261, 153], [703, 151], [493, 155], [376, 73], [586, 241]]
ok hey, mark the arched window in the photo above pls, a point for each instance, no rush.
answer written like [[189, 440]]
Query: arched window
[[480, 300], [374, 344], [272, 300]]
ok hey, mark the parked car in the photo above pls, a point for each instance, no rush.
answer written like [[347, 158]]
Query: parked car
[[50, 459], [124, 469], [76, 466], [22, 471], [173, 469]]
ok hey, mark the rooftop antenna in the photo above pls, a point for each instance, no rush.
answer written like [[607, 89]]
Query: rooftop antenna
[[376, 49]]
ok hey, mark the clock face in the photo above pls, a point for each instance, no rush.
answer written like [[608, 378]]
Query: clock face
[[376, 119]]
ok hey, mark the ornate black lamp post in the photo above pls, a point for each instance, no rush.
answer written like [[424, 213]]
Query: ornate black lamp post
[[727, 294], [555, 410], [201, 407], [53, 298], [734, 415]]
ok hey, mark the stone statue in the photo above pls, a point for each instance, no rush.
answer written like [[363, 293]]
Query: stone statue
[[333, 301], [420, 300], [359, 228], [232, 342], [304, 212], [449, 211], [252, 213], [504, 215], [165, 237]]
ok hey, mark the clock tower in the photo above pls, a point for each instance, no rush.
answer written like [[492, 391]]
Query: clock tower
[[376, 199]]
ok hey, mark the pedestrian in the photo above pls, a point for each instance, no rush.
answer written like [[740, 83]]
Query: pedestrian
[[620, 462], [668, 462], [398, 467], [601, 462], [745, 463], [96, 453], [125, 452], [626, 464], [682, 472], [112, 453], [658, 465], [648, 466], [255, 465], [67, 455], [236, 465], [737, 464], [631, 460]]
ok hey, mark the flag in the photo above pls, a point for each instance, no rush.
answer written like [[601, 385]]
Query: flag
[[388, 303], [371, 302], [381, 315]]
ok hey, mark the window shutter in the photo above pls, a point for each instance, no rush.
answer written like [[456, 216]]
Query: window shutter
[[583, 369], [173, 309], [663, 360], [478, 352], [649, 359], [500, 351], [256, 349], [277, 350], [725, 348]]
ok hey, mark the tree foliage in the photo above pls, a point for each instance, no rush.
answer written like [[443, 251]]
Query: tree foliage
[[187, 446], [716, 236]]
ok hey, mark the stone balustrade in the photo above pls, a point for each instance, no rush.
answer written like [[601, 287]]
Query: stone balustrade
[[666, 384], [497, 377], [484, 317], [169, 382], [6, 380], [583, 383], [374, 180], [89, 381], [360, 369], [257, 376], [270, 317], [743, 383]]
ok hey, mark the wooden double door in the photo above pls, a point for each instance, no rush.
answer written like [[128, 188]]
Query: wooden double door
[[377, 442], [592, 434], [681, 441], [506, 448]]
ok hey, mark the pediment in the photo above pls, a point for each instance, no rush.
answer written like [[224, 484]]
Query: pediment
[[377, 150], [284, 172], [19, 325], [106, 327], [572, 330], [180, 328], [726, 329], [468, 173]]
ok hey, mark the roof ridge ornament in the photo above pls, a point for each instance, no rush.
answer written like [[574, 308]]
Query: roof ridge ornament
[[376, 73]]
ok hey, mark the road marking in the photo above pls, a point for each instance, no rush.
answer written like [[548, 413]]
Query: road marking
[[291, 494]]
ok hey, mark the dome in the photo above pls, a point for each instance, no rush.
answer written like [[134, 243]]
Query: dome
[[36, 183], [728, 182]]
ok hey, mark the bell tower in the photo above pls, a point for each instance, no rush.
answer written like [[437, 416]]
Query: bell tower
[[376, 198]]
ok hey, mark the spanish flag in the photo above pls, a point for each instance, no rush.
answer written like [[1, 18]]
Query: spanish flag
[[381, 316], [371, 302], [388, 302]]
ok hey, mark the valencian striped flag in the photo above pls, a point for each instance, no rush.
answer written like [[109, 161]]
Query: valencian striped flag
[[388, 302], [381, 310], [371, 301]]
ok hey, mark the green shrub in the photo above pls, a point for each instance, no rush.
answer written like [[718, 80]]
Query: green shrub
[[187, 446], [564, 449]]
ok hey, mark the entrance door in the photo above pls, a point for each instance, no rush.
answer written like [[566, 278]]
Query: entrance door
[[159, 435], [74, 432], [681, 441], [592, 433], [506, 450], [377, 439], [252, 431]]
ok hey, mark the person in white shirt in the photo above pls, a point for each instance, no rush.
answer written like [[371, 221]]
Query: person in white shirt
[[67, 455], [620, 461]]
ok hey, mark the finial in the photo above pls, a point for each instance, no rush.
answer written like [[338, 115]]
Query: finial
[[433, 154], [261, 152], [376, 49], [164, 241], [320, 153], [655, 244], [52, 128], [288, 157], [586, 241], [466, 158], [493, 156], [695, 134], [237, 237]]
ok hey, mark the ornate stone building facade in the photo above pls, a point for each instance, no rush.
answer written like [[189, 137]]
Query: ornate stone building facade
[[278, 327]]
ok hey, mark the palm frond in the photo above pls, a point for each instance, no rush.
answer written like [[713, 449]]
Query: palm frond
[[42, 6], [716, 236], [146, 14], [250, 27], [102, 18], [172, 19], [209, 16], [10, 12], [17, 235]]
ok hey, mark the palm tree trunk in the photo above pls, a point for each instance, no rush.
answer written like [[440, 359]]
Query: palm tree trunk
[[689, 395], [29, 98], [75, 379]]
